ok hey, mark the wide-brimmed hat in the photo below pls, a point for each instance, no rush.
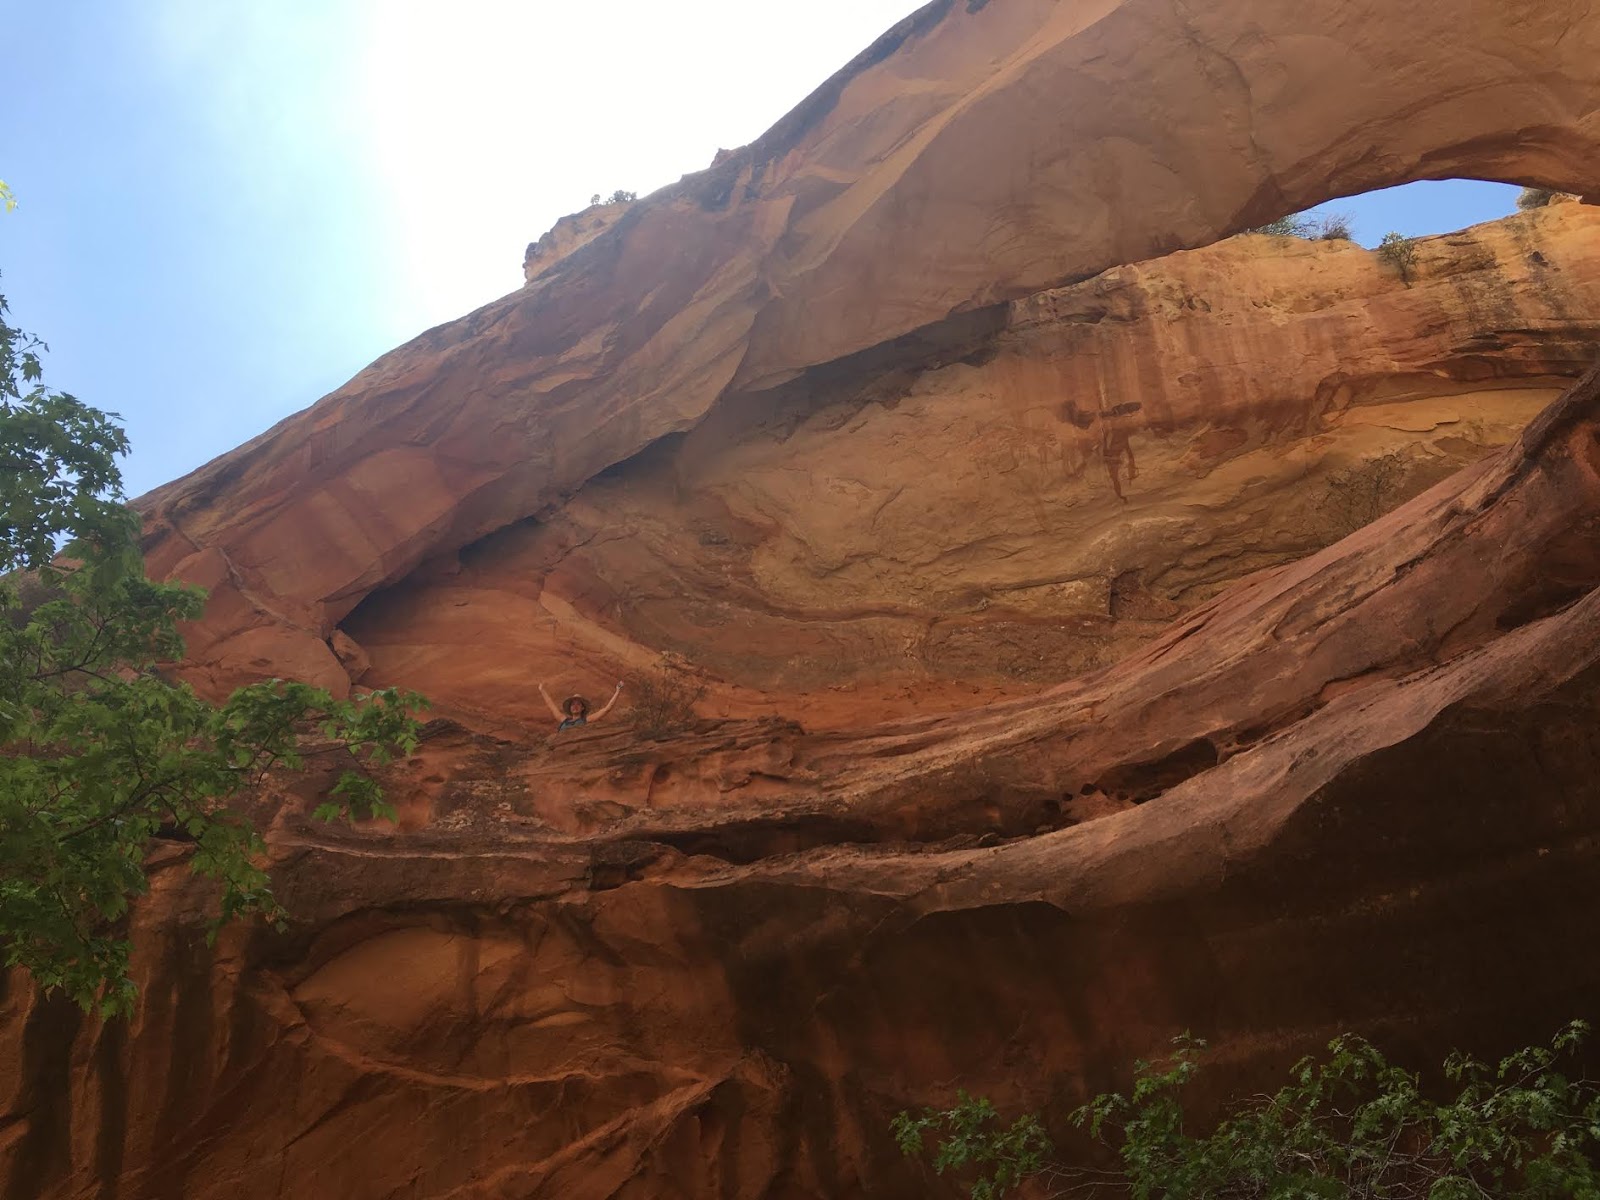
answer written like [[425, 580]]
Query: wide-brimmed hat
[[566, 705]]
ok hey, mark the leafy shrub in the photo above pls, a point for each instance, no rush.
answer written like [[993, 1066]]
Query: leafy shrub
[[970, 1135], [1400, 252], [1354, 1126], [661, 703], [1533, 197]]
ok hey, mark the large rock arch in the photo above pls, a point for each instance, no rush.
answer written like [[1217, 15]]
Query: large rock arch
[[1371, 775], [976, 152]]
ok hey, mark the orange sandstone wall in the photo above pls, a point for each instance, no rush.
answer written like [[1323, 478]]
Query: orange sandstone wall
[[1350, 793], [871, 405], [1028, 496], [977, 153]]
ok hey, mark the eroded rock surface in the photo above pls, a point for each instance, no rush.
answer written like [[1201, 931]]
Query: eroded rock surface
[[942, 524], [1063, 691], [1349, 793], [976, 153]]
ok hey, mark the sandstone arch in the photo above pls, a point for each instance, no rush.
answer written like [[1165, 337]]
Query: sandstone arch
[[975, 152], [1372, 797]]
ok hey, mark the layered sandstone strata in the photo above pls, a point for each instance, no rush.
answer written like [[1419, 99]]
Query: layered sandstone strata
[[826, 417], [1351, 793], [1025, 496], [976, 153]]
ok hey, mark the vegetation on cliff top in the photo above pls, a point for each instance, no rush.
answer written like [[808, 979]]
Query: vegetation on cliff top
[[1535, 197], [1332, 227]]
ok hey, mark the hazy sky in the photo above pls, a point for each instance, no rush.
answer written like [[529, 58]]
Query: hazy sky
[[228, 207]]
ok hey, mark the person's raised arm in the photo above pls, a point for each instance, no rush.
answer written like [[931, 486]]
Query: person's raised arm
[[595, 716], [555, 711]]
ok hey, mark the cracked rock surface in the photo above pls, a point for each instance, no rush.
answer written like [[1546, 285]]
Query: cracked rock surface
[[1094, 638]]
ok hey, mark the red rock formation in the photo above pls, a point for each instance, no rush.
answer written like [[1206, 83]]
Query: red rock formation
[[570, 234], [1353, 790], [976, 153], [1377, 810], [1033, 498]]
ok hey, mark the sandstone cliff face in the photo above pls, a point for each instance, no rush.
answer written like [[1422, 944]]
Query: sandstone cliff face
[[1031, 498], [569, 235], [978, 152], [1370, 803], [1212, 642]]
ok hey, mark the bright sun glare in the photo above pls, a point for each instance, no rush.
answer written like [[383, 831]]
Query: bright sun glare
[[515, 113], [301, 185], [475, 125]]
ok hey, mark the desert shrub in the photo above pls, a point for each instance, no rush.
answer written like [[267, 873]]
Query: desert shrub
[[1327, 228], [1291, 226], [1534, 197], [1400, 252], [1334, 227], [621, 197], [661, 703], [1352, 1126]]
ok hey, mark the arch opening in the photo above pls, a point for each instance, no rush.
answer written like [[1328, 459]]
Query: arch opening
[[1424, 208]]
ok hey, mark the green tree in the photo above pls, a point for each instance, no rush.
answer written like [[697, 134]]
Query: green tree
[[970, 1137], [98, 752], [1351, 1127], [1400, 252]]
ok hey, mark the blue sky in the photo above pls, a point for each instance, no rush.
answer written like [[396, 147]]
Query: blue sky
[[227, 208], [1418, 209]]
